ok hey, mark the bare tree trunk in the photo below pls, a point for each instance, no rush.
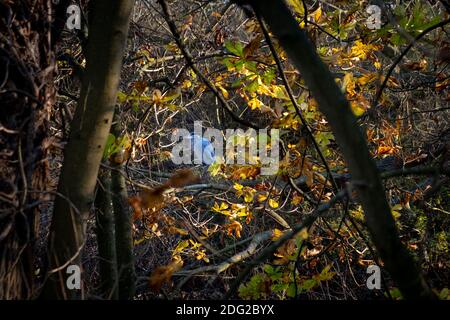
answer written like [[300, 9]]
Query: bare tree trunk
[[106, 237], [108, 29], [124, 224], [365, 178]]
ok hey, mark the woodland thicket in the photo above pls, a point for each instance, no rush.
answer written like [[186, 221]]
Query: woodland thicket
[[359, 91]]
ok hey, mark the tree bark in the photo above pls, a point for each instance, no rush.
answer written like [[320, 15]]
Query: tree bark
[[108, 29], [124, 225], [365, 178], [27, 92], [106, 237]]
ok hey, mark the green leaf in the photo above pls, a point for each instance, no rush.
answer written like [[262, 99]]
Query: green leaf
[[325, 274], [268, 76], [235, 48], [121, 97], [240, 64], [252, 86], [291, 290], [278, 287], [444, 294], [170, 97], [109, 147], [251, 66], [237, 83], [308, 284], [395, 294], [268, 269], [273, 273], [252, 289], [229, 63], [181, 246]]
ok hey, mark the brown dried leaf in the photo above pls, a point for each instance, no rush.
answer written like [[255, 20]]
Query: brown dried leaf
[[182, 178], [163, 274]]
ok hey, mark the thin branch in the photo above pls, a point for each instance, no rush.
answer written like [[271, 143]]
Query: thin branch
[[305, 14], [415, 171]]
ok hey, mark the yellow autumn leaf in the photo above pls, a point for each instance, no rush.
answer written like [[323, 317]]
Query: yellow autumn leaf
[[254, 103], [194, 244], [186, 84], [367, 78], [175, 230], [383, 150], [296, 200], [317, 14], [261, 197], [248, 197], [180, 247], [235, 227], [396, 211], [223, 206], [297, 6], [362, 51], [139, 241], [223, 90], [277, 233], [201, 255], [357, 109], [279, 92], [214, 169], [348, 84], [273, 203], [302, 234], [238, 186]]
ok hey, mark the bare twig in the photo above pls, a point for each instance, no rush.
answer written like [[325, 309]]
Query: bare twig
[[402, 55], [190, 61]]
